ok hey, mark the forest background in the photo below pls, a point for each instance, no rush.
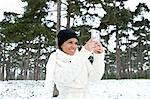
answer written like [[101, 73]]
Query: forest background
[[26, 40]]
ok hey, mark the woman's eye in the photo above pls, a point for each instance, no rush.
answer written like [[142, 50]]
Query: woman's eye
[[73, 42], [70, 42]]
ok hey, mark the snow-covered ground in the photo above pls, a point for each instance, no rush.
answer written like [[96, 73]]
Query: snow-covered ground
[[106, 89]]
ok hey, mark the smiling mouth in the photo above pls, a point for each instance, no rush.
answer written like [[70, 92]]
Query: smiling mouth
[[72, 50]]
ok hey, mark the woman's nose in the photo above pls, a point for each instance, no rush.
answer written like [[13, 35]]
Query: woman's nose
[[74, 45]]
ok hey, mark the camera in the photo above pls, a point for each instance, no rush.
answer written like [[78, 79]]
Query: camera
[[96, 36]]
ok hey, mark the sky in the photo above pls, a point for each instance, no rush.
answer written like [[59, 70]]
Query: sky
[[17, 5], [11, 6]]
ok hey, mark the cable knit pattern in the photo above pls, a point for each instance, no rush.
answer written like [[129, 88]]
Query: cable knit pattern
[[72, 73]]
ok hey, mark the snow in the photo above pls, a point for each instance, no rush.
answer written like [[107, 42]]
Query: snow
[[106, 89]]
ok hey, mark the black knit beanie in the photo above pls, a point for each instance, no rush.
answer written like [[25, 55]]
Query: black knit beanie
[[64, 35]]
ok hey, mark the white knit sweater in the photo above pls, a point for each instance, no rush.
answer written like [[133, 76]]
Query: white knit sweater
[[73, 71]]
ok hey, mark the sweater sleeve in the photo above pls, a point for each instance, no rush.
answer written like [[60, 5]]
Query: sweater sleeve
[[67, 72], [98, 68], [49, 83]]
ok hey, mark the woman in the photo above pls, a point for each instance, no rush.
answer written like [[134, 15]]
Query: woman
[[70, 69]]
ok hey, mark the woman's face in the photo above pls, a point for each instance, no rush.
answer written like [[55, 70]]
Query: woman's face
[[70, 46]]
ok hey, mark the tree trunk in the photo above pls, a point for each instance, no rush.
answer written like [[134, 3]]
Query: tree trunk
[[123, 65], [7, 70], [68, 14], [2, 69], [118, 75], [27, 61], [58, 19], [25, 69], [2, 76], [21, 75], [14, 72], [3, 63], [0, 60], [36, 69], [36, 75], [55, 91], [147, 73]]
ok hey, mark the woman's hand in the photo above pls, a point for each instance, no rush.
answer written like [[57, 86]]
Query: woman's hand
[[94, 46], [98, 48], [89, 45]]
